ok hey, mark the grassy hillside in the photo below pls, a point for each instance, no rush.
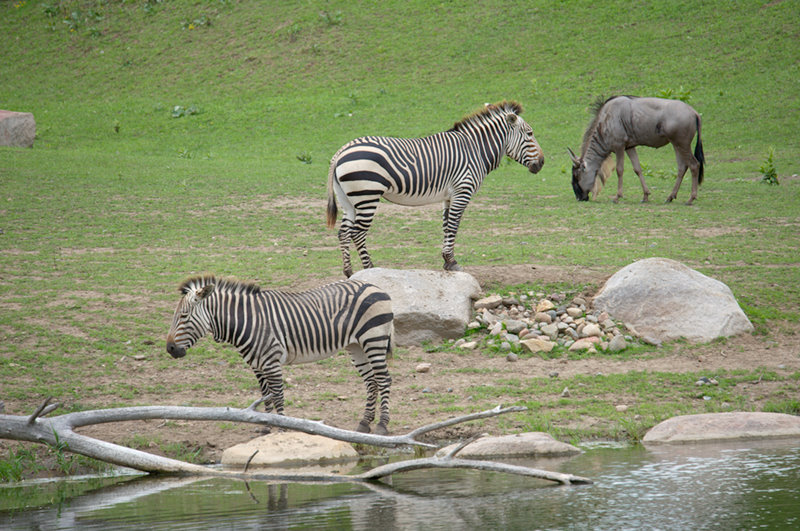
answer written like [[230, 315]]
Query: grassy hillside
[[176, 137]]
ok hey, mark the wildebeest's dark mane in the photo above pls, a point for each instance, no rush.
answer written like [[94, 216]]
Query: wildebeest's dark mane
[[598, 104], [228, 284], [488, 110]]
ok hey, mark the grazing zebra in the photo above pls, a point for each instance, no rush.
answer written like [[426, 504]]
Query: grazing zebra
[[272, 328], [447, 167]]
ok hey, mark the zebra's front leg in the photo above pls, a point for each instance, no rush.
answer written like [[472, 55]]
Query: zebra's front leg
[[451, 217], [266, 396]]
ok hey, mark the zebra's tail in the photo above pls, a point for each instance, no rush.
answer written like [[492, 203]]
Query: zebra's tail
[[332, 210], [389, 351]]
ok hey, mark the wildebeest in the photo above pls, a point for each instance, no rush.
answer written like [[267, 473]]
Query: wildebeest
[[623, 122]]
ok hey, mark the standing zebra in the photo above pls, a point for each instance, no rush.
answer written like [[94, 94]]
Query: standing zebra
[[447, 167], [273, 328]]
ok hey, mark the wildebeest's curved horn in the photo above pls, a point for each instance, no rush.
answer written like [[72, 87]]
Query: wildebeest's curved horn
[[575, 160]]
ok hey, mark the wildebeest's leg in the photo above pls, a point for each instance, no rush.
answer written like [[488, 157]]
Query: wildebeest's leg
[[637, 168], [694, 167], [620, 156], [451, 218], [683, 155]]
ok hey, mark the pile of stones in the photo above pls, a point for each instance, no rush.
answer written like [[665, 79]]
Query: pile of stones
[[534, 322]]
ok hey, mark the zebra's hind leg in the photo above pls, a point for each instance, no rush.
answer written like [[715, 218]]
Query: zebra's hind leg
[[359, 235], [344, 245], [375, 386]]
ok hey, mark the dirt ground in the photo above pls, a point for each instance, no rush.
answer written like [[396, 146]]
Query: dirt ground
[[318, 390]]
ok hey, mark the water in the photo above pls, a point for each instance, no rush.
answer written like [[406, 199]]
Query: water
[[687, 487]]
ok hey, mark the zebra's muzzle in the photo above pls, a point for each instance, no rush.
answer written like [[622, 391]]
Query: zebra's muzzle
[[536, 165], [174, 350]]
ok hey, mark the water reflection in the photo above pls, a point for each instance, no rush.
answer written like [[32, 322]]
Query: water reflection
[[686, 487]]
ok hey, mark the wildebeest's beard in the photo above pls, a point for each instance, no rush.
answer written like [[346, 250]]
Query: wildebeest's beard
[[580, 193]]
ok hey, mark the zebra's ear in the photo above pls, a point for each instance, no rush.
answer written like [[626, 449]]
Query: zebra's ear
[[205, 292], [511, 118]]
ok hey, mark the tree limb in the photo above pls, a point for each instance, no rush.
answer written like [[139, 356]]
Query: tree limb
[[452, 462], [60, 430]]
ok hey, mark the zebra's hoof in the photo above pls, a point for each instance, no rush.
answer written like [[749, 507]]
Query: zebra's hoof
[[380, 429], [452, 266], [363, 427]]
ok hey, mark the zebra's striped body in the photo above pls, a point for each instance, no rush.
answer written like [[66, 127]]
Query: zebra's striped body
[[273, 328], [447, 167]]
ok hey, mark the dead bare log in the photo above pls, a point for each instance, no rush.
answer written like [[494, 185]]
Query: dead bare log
[[59, 430]]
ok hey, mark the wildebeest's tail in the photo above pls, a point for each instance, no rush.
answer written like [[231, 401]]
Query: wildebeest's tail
[[332, 210], [698, 150]]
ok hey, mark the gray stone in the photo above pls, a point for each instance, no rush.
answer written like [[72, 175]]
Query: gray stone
[[724, 427], [427, 305], [541, 317], [287, 449], [492, 301], [515, 327], [530, 444], [663, 299], [574, 312], [550, 330], [17, 129], [617, 343]]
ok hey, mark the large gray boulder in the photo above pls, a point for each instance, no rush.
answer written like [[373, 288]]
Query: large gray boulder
[[530, 444], [17, 129], [708, 427], [663, 299], [427, 305], [289, 449]]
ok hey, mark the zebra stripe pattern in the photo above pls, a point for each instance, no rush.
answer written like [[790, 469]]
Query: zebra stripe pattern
[[273, 328], [447, 167]]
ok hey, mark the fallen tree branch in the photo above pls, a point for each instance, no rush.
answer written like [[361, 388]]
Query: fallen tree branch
[[452, 462], [60, 430]]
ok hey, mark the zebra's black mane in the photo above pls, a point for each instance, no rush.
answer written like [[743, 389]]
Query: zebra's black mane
[[228, 284], [489, 110]]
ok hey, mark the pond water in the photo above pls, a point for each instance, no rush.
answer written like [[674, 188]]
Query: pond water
[[749, 486]]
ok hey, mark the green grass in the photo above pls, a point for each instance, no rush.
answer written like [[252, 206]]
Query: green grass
[[119, 199]]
